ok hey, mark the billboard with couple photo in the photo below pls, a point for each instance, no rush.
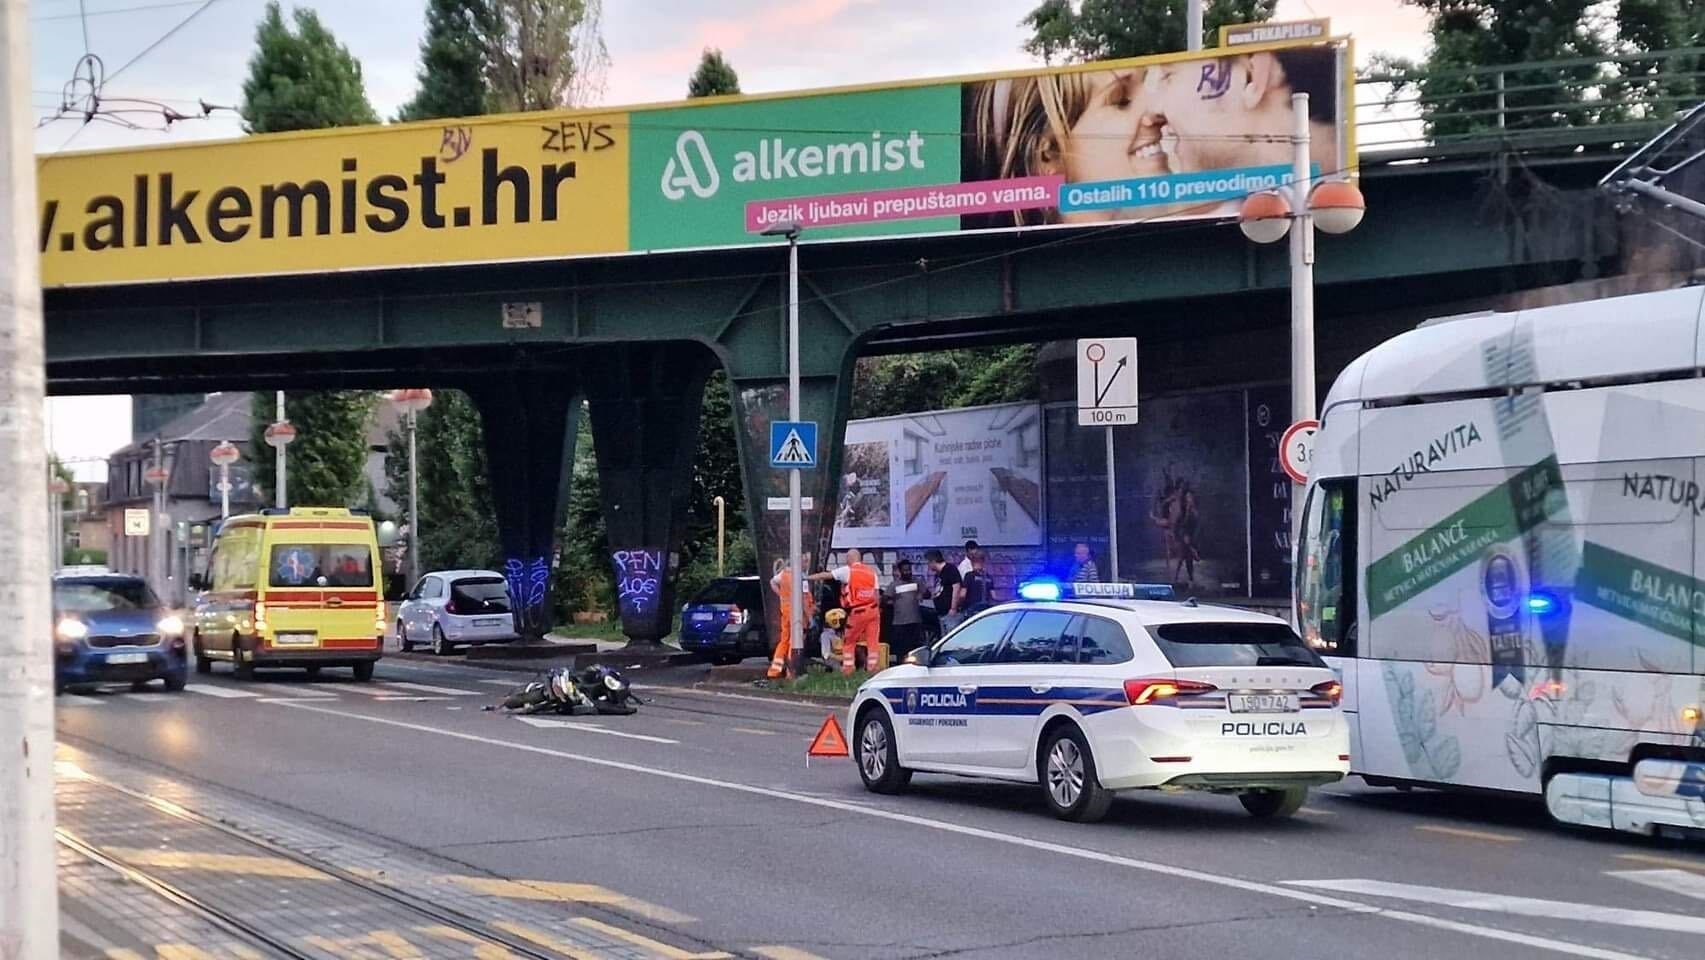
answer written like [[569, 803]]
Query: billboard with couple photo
[[1171, 137]]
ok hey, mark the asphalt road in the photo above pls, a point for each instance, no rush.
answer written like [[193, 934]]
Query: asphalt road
[[703, 804]]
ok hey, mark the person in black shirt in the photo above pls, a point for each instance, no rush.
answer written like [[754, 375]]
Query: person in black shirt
[[947, 589], [979, 587]]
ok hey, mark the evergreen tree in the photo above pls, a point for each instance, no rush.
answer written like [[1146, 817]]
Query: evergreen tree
[[305, 80], [458, 523], [452, 72], [1064, 31], [544, 54], [1663, 85], [301, 80], [714, 77], [328, 461]]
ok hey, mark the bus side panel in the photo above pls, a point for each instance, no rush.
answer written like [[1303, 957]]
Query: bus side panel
[[1543, 605]]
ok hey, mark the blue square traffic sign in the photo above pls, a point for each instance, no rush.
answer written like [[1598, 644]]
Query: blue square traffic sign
[[793, 444]]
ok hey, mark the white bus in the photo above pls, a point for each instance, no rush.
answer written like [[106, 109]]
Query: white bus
[[1502, 552]]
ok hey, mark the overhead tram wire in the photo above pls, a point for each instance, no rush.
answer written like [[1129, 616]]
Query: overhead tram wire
[[108, 78]]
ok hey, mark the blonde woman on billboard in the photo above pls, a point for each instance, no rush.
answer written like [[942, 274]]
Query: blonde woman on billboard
[[1084, 126]]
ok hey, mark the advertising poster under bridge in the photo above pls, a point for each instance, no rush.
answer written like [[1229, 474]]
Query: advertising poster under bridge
[[934, 479]]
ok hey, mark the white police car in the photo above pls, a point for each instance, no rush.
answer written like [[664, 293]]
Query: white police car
[[1092, 690]]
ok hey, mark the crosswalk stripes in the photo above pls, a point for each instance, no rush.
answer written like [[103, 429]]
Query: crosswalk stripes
[[1511, 905], [212, 690], [428, 688], [1672, 881]]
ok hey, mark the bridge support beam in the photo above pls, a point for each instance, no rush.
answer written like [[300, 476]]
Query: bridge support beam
[[757, 402], [645, 401], [530, 417]]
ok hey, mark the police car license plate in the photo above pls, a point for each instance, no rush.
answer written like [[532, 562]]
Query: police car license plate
[[1262, 703], [295, 640], [118, 658], [488, 623]]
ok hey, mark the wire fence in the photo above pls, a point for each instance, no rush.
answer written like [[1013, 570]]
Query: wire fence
[[1570, 109]]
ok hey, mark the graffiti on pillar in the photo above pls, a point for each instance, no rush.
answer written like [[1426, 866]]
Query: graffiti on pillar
[[529, 583], [639, 581]]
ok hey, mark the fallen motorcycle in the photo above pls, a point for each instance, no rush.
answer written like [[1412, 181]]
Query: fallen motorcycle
[[598, 688]]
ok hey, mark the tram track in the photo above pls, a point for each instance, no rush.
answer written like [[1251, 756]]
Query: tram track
[[469, 931]]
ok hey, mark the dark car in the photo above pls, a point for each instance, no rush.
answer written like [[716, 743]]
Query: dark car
[[113, 629], [724, 622]]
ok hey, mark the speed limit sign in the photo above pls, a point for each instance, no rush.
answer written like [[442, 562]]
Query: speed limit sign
[[1296, 449]]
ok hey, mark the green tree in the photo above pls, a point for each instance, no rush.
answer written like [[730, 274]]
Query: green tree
[[1458, 100], [714, 76], [458, 524], [1064, 31], [543, 54], [452, 73], [1660, 85], [328, 460], [584, 580], [301, 80]]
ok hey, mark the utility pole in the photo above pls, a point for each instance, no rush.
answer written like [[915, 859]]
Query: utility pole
[[29, 895], [1193, 25], [282, 483]]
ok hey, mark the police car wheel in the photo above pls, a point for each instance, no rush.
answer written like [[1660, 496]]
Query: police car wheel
[[1069, 781], [878, 759], [1273, 804]]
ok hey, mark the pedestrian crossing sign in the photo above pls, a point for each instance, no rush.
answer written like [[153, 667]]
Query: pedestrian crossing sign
[[793, 444]]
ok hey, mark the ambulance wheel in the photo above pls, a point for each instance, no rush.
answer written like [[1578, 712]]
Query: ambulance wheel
[[1070, 784], [243, 667], [1273, 804], [877, 757], [364, 671]]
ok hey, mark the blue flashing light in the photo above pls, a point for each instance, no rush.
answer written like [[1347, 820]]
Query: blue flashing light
[[1039, 590], [1541, 604]]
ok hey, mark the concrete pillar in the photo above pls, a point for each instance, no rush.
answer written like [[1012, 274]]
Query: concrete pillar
[[644, 401], [529, 418], [757, 401]]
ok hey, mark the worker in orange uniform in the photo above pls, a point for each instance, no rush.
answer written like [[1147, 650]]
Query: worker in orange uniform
[[860, 595], [782, 584]]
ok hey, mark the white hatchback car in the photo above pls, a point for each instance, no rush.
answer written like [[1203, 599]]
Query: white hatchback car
[[453, 608], [1088, 696]]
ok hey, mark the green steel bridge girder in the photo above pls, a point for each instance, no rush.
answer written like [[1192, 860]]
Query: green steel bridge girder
[[393, 327]]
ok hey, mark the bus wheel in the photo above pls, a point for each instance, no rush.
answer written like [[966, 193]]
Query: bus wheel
[[1273, 804]]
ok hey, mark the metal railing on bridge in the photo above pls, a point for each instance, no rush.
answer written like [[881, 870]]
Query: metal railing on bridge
[[1550, 112]]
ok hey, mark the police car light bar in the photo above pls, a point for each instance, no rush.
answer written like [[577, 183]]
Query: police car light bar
[[1044, 590]]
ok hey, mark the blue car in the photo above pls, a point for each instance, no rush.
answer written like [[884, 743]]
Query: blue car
[[113, 629], [724, 622]]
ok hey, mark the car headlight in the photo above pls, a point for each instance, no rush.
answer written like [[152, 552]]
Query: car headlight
[[69, 629], [171, 626]]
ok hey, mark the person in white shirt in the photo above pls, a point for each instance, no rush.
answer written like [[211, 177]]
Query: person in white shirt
[[965, 561]]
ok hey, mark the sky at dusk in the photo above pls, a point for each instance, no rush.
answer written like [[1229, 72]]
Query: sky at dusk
[[653, 45]]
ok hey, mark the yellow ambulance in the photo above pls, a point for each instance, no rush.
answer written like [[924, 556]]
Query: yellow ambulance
[[292, 588]]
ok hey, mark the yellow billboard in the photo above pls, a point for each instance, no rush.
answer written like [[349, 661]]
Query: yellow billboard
[[480, 190], [1182, 136]]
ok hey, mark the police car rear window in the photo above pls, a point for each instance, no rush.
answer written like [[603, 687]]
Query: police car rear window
[[1233, 645]]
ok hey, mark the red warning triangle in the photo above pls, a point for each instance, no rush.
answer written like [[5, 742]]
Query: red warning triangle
[[829, 742]]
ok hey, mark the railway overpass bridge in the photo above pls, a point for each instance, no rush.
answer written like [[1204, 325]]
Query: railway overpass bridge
[[1449, 219]]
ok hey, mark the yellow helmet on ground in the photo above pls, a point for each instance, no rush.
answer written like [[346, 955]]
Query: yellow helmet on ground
[[835, 618]]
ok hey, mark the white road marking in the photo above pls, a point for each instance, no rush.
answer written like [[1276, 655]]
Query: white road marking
[[1672, 881], [1517, 906], [82, 700], [505, 683], [408, 698], [229, 693], [665, 691], [428, 688], [552, 722], [147, 697], [945, 826]]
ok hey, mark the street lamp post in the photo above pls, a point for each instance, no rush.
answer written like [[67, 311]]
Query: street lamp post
[[411, 403], [223, 455], [721, 529], [795, 538], [1335, 206], [57, 488]]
